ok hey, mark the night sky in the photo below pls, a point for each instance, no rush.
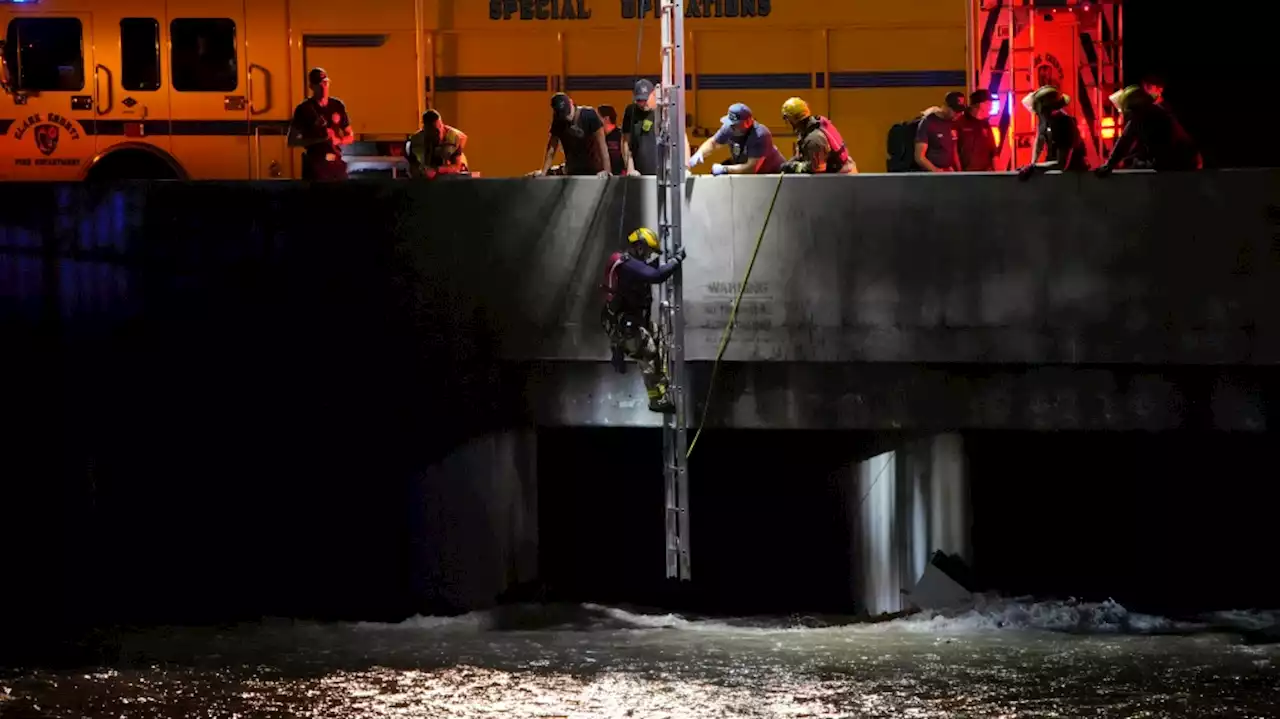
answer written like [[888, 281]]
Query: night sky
[[1219, 74]]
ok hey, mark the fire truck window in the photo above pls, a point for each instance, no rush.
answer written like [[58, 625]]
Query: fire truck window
[[140, 53], [204, 55], [46, 54]]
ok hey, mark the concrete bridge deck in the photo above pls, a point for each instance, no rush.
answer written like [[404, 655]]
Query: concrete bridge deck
[[877, 301]]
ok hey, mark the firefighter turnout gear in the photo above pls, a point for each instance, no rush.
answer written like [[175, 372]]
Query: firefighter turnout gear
[[628, 305], [1152, 137], [820, 149]]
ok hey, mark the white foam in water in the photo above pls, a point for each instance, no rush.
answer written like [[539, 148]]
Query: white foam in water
[[989, 613], [473, 621], [986, 613]]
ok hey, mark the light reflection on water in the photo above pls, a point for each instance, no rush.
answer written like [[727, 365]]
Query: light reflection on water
[[630, 666]]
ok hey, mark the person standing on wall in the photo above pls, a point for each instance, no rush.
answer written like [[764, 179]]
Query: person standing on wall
[[612, 138], [640, 132], [976, 144], [580, 133], [820, 149], [437, 148], [937, 135], [1058, 136], [1152, 137], [322, 127], [751, 148]]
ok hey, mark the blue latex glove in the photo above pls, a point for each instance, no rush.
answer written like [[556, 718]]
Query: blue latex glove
[[718, 169]]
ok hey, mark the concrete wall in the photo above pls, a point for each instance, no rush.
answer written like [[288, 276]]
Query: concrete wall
[[902, 506], [892, 268], [477, 522], [928, 398], [880, 268]]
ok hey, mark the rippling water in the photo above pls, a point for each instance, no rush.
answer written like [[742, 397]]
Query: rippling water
[[1007, 659]]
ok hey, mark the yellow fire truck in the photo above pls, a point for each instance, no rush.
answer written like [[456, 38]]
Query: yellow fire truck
[[204, 89]]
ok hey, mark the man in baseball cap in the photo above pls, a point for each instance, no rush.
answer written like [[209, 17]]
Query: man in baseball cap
[[751, 148], [579, 132], [321, 126], [644, 91]]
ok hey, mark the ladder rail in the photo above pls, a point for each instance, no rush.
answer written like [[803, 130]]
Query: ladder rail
[[671, 173]]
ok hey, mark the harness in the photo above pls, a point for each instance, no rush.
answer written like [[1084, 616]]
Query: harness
[[610, 319], [838, 153]]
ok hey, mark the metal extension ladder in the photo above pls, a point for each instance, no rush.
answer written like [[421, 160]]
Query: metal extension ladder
[[671, 174]]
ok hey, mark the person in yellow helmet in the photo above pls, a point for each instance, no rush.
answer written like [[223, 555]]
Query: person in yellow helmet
[[1058, 134], [1152, 136], [627, 311], [437, 148], [820, 149]]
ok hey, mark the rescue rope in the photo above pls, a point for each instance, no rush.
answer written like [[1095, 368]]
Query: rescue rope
[[733, 315]]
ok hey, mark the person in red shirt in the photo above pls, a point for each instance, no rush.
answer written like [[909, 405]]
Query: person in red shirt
[[976, 144]]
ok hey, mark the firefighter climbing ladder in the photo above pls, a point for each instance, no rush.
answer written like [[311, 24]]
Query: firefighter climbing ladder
[[671, 174]]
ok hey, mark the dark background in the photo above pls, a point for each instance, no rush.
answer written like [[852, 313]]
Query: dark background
[[1172, 522], [1218, 63]]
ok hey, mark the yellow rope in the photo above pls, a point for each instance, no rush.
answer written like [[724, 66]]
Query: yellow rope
[[733, 315]]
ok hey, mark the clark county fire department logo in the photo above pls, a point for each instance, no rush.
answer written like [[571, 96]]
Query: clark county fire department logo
[[46, 139], [1049, 71]]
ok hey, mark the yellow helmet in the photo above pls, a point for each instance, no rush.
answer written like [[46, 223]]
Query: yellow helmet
[[1128, 97], [795, 110], [645, 235]]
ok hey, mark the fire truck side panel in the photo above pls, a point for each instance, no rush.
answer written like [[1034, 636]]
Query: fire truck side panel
[[885, 76], [374, 74], [272, 81], [866, 65], [210, 97], [610, 49], [49, 134], [495, 85], [133, 103]]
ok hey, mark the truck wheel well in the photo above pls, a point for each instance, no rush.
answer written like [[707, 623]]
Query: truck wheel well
[[132, 164]]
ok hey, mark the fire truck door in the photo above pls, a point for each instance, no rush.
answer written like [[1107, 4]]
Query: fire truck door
[[133, 97], [47, 114], [209, 77]]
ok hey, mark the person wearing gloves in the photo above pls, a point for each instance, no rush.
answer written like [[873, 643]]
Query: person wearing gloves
[[627, 315], [1152, 137], [1058, 135], [751, 148]]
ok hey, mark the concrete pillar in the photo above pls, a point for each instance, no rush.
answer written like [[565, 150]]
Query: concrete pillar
[[902, 506], [476, 534]]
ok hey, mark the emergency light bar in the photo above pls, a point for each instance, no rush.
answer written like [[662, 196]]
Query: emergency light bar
[[18, 2]]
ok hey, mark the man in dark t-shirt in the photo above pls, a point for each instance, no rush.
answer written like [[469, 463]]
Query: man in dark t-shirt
[[321, 126], [640, 131], [612, 138], [937, 136], [580, 133]]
